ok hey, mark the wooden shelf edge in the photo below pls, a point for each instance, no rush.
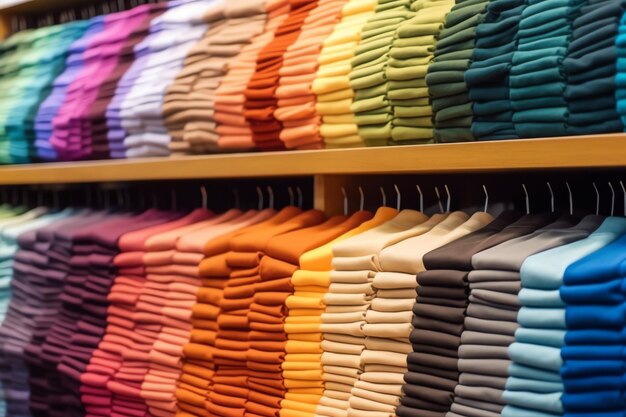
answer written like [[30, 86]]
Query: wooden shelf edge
[[598, 151]]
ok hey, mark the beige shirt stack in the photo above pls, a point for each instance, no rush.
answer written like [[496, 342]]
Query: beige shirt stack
[[189, 105], [388, 325], [355, 262]]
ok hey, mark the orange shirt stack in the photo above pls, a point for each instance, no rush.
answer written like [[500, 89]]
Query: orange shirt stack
[[261, 100], [233, 380], [197, 371], [296, 100], [233, 128], [175, 274]]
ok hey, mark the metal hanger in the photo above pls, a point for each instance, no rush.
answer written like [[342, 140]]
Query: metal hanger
[[384, 196], [571, 198], [527, 199], [486, 198], [612, 198], [595, 187], [362, 201], [551, 197], [205, 197], [345, 201], [449, 198], [292, 198], [439, 199], [421, 195], [398, 197], [270, 192], [260, 195], [621, 183]]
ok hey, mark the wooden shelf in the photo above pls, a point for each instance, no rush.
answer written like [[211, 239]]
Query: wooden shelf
[[601, 151]]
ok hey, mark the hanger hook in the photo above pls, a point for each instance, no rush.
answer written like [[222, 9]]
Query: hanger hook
[[449, 198], [571, 198], [527, 199], [205, 197], [595, 187], [439, 199], [486, 198], [551, 197], [419, 191], [259, 193], [345, 201], [270, 192], [362, 201], [384, 196], [398, 197], [612, 198], [300, 197], [292, 198]]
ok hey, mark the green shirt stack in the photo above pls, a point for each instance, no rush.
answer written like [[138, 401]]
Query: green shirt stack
[[453, 56], [410, 55], [30, 62], [371, 105]]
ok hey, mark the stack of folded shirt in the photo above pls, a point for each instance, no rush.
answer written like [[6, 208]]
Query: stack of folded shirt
[[193, 101], [538, 78], [593, 359], [488, 328], [162, 57], [261, 99], [172, 261], [536, 359], [139, 56], [267, 319], [487, 78], [591, 66], [143, 318], [620, 77], [332, 83], [302, 368], [347, 302], [105, 145], [39, 65], [71, 133], [198, 365], [412, 345], [388, 324], [368, 77], [105, 370], [409, 58], [11, 52], [446, 83], [232, 126], [59, 252], [233, 381], [190, 95], [24, 310], [80, 324], [296, 100], [49, 108]]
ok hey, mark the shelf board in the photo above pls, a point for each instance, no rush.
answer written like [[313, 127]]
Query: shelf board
[[600, 151]]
